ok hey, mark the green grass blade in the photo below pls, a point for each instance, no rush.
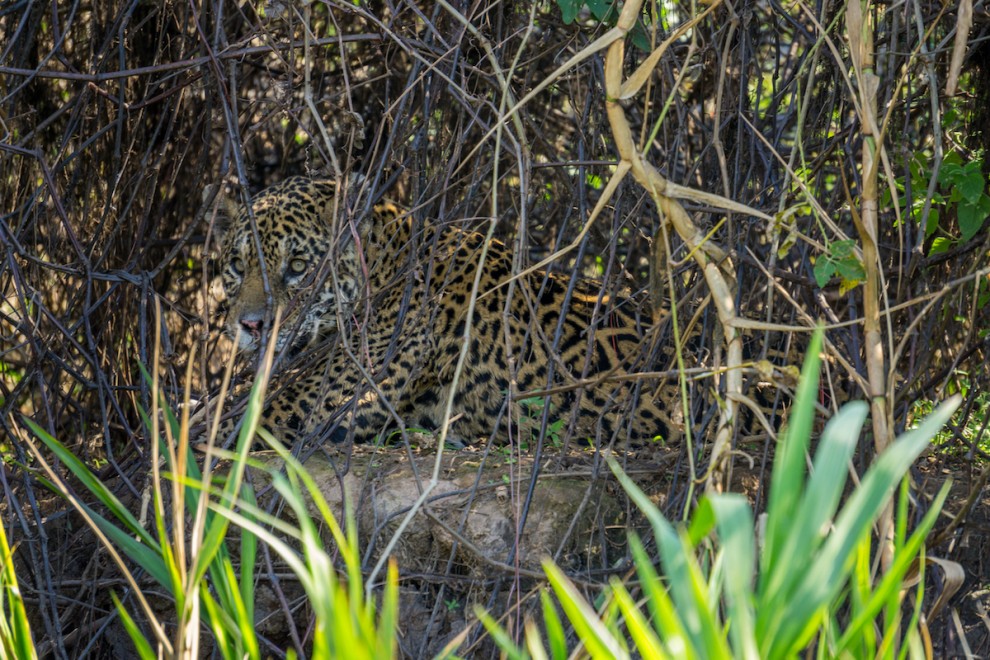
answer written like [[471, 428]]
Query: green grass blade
[[734, 522], [168, 560], [216, 526], [148, 558], [91, 483], [295, 470], [919, 601], [281, 548], [144, 650], [342, 637], [666, 620], [789, 465], [687, 585], [243, 619], [214, 540], [892, 581], [16, 629], [534, 644], [501, 638], [249, 555], [589, 627], [804, 534], [855, 520], [642, 634], [220, 623], [389, 617], [555, 630], [860, 588]]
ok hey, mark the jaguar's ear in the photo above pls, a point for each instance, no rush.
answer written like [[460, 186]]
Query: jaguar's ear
[[219, 209], [357, 189], [354, 186], [347, 207]]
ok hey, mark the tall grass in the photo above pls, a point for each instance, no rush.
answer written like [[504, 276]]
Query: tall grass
[[189, 554], [802, 582], [807, 585], [15, 628]]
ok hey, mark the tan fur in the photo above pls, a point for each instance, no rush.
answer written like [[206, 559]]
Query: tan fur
[[402, 300]]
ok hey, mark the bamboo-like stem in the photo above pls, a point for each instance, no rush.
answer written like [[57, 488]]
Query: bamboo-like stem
[[859, 27], [716, 267]]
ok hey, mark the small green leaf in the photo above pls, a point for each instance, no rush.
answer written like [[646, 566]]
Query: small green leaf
[[569, 9], [599, 8], [971, 216], [972, 186], [950, 173], [824, 270], [940, 245], [932, 223], [851, 269]]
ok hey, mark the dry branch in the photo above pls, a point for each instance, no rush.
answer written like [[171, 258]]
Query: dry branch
[[714, 263]]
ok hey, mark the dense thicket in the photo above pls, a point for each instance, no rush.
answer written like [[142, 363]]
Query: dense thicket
[[116, 116]]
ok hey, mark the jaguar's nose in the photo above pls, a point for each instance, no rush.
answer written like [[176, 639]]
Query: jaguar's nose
[[252, 326]]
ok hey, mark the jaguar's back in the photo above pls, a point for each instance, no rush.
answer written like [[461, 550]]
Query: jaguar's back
[[402, 299]]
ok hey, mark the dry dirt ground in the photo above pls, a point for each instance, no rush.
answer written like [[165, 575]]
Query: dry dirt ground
[[468, 544]]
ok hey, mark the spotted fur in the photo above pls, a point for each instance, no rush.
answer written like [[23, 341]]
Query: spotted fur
[[399, 299]]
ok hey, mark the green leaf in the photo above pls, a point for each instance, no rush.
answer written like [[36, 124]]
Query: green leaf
[[972, 215], [599, 8], [972, 185], [824, 270], [389, 617], [950, 173], [842, 249], [647, 644], [918, 170], [92, 484], [640, 36], [851, 269], [892, 581], [940, 245], [932, 223], [15, 629], [666, 619], [569, 9], [687, 585], [702, 523], [219, 622], [502, 639], [249, 553], [805, 528]]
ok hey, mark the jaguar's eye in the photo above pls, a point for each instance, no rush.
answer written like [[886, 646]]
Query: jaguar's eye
[[297, 266], [237, 265]]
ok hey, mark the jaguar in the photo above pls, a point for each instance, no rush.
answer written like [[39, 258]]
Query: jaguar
[[378, 325]]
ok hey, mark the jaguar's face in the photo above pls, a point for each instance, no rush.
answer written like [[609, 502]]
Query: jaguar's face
[[294, 242]]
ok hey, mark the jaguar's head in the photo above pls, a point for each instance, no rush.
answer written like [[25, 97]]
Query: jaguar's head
[[294, 264]]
